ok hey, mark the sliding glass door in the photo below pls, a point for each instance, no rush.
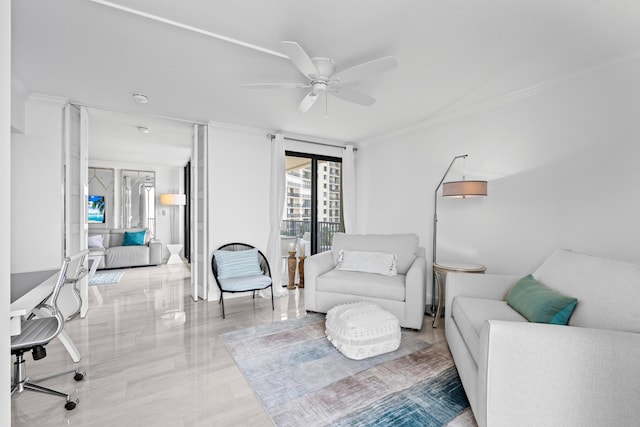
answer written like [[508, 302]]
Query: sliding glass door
[[313, 200]]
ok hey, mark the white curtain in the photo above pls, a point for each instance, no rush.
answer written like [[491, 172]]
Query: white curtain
[[348, 189], [276, 205]]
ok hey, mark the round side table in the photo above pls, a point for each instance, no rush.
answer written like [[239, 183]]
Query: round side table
[[441, 268]]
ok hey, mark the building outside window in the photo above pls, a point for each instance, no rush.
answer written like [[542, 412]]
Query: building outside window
[[302, 186]]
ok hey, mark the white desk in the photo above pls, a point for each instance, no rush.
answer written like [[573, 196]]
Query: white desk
[[27, 291]]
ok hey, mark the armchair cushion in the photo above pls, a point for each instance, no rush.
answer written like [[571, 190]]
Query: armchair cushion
[[363, 284], [242, 263], [241, 284], [367, 262], [471, 314], [539, 303]]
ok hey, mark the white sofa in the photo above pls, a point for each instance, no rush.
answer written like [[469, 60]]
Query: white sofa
[[517, 373], [403, 295], [113, 255]]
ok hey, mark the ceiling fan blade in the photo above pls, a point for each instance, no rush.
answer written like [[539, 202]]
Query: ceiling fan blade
[[365, 69], [351, 95], [307, 102], [275, 86], [300, 59]]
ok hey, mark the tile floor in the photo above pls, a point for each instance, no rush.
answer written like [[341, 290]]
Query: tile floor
[[153, 357]]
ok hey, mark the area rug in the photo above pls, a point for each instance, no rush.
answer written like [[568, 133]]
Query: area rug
[[105, 277], [302, 380]]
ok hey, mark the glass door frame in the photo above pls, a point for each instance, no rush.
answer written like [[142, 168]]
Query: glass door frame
[[315, 158]]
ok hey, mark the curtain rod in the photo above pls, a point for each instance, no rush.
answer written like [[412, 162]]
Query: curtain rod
[[271, 136]]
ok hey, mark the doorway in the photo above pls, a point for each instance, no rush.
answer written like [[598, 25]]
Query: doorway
[[313, 199]]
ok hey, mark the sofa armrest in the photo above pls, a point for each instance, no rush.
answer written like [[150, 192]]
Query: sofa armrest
[[155, 252], [489, 286], [314, 266], [549, 375], [416, 293]]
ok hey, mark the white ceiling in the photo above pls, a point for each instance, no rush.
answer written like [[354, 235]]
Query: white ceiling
[[451, 55], [114, 138]]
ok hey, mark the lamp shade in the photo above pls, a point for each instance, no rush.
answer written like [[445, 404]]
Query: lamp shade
[[173, 199], [464, 188]]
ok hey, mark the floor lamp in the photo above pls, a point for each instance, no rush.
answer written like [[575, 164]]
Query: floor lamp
[[461, 189], [173, 201]]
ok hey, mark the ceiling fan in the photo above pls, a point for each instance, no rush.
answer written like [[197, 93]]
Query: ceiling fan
[[324, 80]]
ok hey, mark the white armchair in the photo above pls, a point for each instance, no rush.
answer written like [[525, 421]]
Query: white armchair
[[403, 295]]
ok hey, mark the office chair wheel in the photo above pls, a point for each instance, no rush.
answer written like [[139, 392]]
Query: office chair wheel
[[71, 404], [79, 376]]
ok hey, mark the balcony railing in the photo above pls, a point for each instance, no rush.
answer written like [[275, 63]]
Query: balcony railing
[[326, 230]]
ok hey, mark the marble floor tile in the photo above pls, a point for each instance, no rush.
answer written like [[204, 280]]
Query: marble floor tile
[[153, 357]]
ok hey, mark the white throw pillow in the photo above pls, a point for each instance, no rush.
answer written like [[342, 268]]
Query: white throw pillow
[[368, 262], [96, 241]]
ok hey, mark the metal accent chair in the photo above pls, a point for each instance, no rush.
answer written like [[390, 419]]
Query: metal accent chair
[[243, 283], [37, 332]]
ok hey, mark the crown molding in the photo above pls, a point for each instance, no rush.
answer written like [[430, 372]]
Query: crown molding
[[238, 128], [47, 99]]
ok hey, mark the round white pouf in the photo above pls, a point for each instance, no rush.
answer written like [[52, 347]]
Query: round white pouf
[[362, 329]]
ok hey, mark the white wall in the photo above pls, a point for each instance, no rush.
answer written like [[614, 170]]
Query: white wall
[[562, 171], [238, 171], [238, 187], [19, 96], [37, 187], [5, 219]]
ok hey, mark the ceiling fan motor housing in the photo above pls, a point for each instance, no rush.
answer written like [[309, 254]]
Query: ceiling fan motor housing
[[325, 67]]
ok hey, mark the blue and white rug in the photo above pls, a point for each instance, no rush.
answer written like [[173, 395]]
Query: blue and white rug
[[302, 380], [105, 277]]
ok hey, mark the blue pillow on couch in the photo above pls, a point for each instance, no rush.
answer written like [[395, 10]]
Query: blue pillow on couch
[[133, 238]]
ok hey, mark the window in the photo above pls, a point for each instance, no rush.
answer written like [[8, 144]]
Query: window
[[306, 187]]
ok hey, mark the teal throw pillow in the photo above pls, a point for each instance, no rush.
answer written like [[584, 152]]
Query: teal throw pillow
[[237, 263], [539, 303], [133, 238]]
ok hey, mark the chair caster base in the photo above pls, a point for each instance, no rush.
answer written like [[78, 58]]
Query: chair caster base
[[71, 404], [79, 375]]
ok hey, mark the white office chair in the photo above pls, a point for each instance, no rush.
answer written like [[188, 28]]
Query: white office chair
[[37, 333]]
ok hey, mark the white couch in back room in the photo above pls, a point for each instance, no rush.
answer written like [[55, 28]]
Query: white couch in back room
[[517, 373], [113, 255], [403, 294]]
